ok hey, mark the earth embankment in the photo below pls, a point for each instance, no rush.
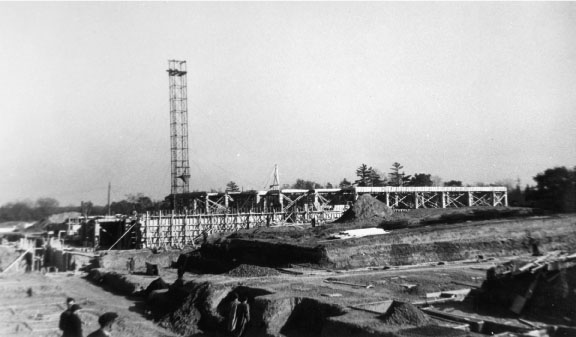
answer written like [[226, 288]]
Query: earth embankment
[[440, 242]]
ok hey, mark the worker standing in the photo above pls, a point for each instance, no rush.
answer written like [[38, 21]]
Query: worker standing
[[64, 316], [232, 317], [242, 316], [72, 325]]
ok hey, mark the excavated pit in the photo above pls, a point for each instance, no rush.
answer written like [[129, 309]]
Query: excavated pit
[[204, 307]]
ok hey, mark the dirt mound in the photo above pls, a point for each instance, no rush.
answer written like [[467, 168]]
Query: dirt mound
[[184, 320], [401, 313], [366, 208], [247, 270], [157, 284]]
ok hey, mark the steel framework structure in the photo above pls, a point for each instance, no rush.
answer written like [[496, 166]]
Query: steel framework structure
[[180, 166]]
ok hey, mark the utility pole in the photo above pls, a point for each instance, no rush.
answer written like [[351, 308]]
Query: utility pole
[[109, 188]]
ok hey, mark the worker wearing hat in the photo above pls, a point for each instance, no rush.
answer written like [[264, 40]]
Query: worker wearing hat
[[70, 323], [105, 320]]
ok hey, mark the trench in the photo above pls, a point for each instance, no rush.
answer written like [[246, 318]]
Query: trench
[[205, 309]]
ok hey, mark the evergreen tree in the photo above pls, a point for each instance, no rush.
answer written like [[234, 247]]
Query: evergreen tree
[[232, 187]]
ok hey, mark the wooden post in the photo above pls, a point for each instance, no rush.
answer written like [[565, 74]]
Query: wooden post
[[211, 223], [144, 230], [184, 228], [158, 229], [387, 199], [170, 241]]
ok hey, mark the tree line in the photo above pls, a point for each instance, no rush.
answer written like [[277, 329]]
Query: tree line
[[42, 208], [555, 191]]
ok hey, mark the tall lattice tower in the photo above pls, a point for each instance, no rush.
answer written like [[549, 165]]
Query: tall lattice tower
[[180, 167]]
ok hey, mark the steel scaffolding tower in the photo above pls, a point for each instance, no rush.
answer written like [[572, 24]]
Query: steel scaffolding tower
[[180, 166]]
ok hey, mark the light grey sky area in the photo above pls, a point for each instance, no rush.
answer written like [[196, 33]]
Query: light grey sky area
[[470, 91]]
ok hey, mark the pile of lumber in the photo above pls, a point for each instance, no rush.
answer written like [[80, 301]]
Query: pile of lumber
[[556, 260]]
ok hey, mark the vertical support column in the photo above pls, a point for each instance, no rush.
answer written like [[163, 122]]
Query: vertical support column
[[493, 198], [281, 200], [194, 205], [470, 199], [185, 229], [171, 229], [207, 204], [211, 223], [443, 196], [226, 200], [506, 198], [158, 230], [387, 199], [416, 200]]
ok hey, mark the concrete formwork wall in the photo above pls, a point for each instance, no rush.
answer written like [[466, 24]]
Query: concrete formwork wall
[[179, 230]]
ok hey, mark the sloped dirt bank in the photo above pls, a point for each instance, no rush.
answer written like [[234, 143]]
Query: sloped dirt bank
[[118, 259], [231, 252], [449, 242], [454, 242]]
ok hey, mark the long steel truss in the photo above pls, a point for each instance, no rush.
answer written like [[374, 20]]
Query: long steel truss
[[180, 166]]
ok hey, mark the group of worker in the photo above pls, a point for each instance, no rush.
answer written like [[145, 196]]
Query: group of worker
[[238, 315], [71, 324]]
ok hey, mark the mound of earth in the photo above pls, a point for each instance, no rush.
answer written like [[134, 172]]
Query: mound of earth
[[366, 208], [248, 270], [184, 319], [401, 313]]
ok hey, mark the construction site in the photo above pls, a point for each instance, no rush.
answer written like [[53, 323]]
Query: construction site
[[356, 261]]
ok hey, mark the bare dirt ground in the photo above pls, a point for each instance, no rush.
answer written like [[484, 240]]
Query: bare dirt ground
[[300, 283], [38, 314]]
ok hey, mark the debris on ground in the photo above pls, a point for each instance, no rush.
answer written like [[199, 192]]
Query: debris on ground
[[535, 287], [248, 270], [400, 313]]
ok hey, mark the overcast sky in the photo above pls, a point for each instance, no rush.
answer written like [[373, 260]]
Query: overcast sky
[[471, 91]]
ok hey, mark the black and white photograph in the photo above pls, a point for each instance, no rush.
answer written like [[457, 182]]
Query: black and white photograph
[[287, 168]]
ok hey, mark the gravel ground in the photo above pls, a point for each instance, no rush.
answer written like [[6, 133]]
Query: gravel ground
[[246, 270]]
